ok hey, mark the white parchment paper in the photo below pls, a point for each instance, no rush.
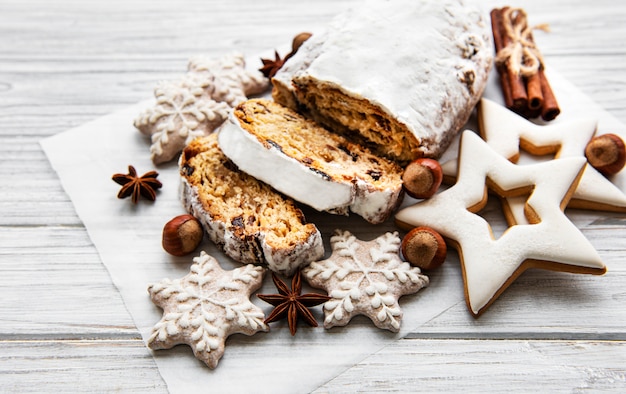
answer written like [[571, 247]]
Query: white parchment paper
[[128, 239]]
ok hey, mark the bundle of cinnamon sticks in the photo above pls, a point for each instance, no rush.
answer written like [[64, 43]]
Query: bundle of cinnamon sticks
[[520, 66]]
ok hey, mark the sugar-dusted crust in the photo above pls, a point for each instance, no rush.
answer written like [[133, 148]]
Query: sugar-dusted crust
[[249, 220], [410, 95], [309, 163]]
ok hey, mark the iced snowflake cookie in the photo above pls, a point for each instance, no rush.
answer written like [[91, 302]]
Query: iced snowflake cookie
[[364, 278], [181, 114], [548, 241], [196, 104], [226, 79], [205, 307]]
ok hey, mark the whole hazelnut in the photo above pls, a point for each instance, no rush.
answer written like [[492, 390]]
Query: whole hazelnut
[[606, 153], [296, 44], [182, 235], [299, 40], [422, 177], [424, 247]]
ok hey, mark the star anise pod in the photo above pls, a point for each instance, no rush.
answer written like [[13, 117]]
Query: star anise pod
[[134, 186], [271, 67], [291, 303]]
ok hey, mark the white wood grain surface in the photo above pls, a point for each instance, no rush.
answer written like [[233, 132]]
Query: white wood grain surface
[[63, 325]]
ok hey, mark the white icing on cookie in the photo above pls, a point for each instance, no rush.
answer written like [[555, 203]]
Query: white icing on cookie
[[490, 265], [205, 307], [364, 278], [196, 104], [506, 131], [181, 113], [226, 79]]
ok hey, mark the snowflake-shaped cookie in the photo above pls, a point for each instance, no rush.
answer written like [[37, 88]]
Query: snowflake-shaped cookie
[[197, 104], [181, 114], [364, 278], [226, 79], [206, 306]]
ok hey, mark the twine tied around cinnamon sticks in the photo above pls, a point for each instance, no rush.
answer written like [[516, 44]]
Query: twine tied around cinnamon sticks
[[521, 51], [520, 65]]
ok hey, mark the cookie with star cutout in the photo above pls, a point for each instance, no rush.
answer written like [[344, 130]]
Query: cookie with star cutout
[[509, 134], [546, 240]]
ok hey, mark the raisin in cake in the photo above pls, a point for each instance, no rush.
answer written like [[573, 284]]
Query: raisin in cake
[[303, 160], [249, 220], [401, 75]]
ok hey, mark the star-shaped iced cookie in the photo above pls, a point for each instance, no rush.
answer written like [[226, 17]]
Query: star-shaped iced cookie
[[548, 241], [364, 278], [507, 133], [205, 307]]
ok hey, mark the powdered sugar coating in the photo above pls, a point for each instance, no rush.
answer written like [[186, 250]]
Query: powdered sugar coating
[[429, 67], [294, 180]]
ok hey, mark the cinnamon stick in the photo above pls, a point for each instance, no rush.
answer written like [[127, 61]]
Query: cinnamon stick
[[535, 89], [496, 22], [531, 95], [535, 92], [516, 82], [550, 108]]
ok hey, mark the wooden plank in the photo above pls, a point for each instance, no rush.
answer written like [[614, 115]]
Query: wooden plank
[[65, 63], [78, 366], [520, 366], [55, 286]]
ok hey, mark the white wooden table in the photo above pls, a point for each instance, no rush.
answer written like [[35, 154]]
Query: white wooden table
[[63, 324]]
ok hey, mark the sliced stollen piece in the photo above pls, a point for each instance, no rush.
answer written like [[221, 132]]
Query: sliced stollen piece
[[402, 75], [303, 160], [249, 220]]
